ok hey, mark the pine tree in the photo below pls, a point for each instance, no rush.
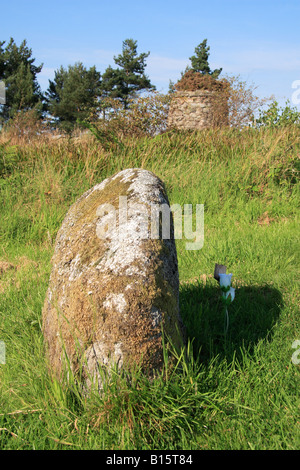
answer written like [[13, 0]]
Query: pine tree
[[21, 87], [200, 60], [2, 60], [124, 82], [73, 94], [19, 74]]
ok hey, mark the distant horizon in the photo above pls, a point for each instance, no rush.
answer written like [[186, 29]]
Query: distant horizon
[[258, 41]]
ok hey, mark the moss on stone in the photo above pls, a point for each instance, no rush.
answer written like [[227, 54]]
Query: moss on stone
[[83, 315]]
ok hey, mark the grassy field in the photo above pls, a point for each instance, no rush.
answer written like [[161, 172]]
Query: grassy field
[[234, 391]]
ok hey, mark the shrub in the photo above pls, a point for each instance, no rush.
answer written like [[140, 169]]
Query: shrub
[[242, 102], [25, 125], [192, 81], [275, 116], [146, 116]]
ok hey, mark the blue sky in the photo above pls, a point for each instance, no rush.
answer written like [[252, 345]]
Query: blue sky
[[257, 39]]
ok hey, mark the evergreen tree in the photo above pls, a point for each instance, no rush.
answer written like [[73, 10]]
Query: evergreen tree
[[22, 89], [19, 74], [73, 95], [200, 60], [2, 60], [124, 82]]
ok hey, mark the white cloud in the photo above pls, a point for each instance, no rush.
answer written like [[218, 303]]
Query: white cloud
[[68, 56], [101, 58], [266, 57], [163, 69], [157, 64], [46, 74]]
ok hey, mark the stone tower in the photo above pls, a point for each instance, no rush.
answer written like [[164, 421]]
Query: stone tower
[[199, 102]]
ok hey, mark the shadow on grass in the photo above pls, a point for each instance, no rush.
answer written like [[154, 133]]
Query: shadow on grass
[[252, 316]]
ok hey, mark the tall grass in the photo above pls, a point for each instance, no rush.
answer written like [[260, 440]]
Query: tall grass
[[234, 391]]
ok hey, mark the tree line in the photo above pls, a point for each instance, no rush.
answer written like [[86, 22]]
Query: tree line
[[79, 95], [76, 92]]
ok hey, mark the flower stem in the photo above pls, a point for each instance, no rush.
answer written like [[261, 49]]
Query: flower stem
[[226, 322]]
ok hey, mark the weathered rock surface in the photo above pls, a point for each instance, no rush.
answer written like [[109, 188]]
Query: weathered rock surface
[[112, 287]]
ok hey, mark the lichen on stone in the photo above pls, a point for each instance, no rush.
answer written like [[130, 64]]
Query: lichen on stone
[[109, 298]]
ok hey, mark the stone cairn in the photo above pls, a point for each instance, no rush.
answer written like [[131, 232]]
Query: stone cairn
[[114, 289], [199, 102]]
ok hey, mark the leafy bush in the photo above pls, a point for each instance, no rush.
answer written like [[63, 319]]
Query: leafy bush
[[145, 116], [275, 116]]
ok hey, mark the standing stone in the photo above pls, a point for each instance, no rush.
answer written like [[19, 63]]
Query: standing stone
[[114, 283]]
